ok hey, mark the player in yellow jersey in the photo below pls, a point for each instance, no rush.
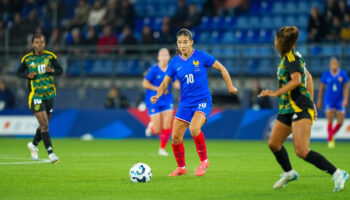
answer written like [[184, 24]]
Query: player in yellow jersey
[[296, 112], [40, 67]]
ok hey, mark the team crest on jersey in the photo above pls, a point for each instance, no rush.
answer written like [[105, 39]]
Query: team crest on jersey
[[340, 79], [37, 107], [196, 65]]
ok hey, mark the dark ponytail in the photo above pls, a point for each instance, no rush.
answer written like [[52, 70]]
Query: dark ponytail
[[185, 32]]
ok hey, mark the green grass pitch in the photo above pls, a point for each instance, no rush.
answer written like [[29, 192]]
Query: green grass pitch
[[99, 169]]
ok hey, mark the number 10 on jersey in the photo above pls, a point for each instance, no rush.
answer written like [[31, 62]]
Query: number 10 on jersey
[[189, 78]]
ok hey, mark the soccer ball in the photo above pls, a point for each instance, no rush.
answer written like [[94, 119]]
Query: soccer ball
[[140, 172]]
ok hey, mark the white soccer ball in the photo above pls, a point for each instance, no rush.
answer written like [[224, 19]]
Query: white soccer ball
[[140, 173]]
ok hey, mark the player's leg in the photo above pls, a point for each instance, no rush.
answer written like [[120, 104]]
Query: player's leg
[[280, 131], [154, 126], [340, 115], [166, 120], [301, 129], [179, 128], [330, 114]]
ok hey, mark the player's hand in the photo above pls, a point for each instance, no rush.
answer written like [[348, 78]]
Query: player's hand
[[267, 93], [233, 90], [32, 75], [319, 104], [345, 103], [49, 69], [315, 110], [154, 99]]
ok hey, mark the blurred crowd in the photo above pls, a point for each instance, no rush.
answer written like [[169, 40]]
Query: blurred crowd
[[330, 25]]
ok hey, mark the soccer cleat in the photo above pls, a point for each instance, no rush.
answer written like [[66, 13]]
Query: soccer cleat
[[331, 144], [286, 177], [339, 178], [33, 150], [178, 172], [203, 166], [148, 131], [53, 158], [162, 152]]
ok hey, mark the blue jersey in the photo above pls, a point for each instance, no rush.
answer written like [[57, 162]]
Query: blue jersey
[[155, 76], [334, 85], [193, 76]]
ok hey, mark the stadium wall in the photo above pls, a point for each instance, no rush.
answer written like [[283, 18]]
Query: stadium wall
[[131, 123]]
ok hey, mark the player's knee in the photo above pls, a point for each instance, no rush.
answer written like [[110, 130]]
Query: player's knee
[[156, 130], [301, 152], [176, 139], [274, 146], [44, 127], [195, 130]]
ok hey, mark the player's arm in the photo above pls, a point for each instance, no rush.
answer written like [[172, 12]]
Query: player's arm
[[148, 85], [310, 84], [218, 66], [176, 84], [346, 94], [320, 95], [57, 69], [162, 88], [24, 73], [291, 85]]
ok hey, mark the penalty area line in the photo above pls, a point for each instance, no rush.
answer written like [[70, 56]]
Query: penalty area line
[[27, 162]]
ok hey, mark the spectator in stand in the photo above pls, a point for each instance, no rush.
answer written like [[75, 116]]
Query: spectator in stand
[[111, 13], [209, 8], [128, 39], [181, 14], [331, 10], [234, 7], [5, 10], [194, 17], [115, 99], [166, 36], [147, 35], [345, 31], [51, 8], [91, 38], [255, 102], [126, 15], [17, 32], [107, 41], [316, 27], [7, 100], [76, 41], [333, 34], [32, 22], [2, 33], [55, 42], [343, 9], [82, 13], [96, 14]]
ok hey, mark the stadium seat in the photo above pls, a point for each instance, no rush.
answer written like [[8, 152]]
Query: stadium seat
[[229, 22]]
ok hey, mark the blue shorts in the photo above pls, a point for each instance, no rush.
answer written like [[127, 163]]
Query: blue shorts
[[185, 113], [154, 109], [334, 105]]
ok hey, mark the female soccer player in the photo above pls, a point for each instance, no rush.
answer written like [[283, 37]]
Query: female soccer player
[[190, 67], [161, 113], [333, 95], [296, 112], [39, 67]]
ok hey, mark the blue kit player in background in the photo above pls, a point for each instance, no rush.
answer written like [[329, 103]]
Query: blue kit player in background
[[333, 95], [190, 67], [161, 113]]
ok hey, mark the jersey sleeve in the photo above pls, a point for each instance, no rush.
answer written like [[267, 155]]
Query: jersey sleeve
[[171, 71], [22, 70], [208, 59], [292, 64], [150, 74], [57, 67], [324, 78]]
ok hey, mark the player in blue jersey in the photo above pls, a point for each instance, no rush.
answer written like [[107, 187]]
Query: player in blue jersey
[[333, 95], [190, 67], [161, 113]]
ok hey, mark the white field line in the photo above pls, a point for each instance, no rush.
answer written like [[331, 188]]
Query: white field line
[[26, 162]]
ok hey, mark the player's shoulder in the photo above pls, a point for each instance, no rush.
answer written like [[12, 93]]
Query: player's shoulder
[[291, 56], [343, 72], [50, 53], [26, 56]]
